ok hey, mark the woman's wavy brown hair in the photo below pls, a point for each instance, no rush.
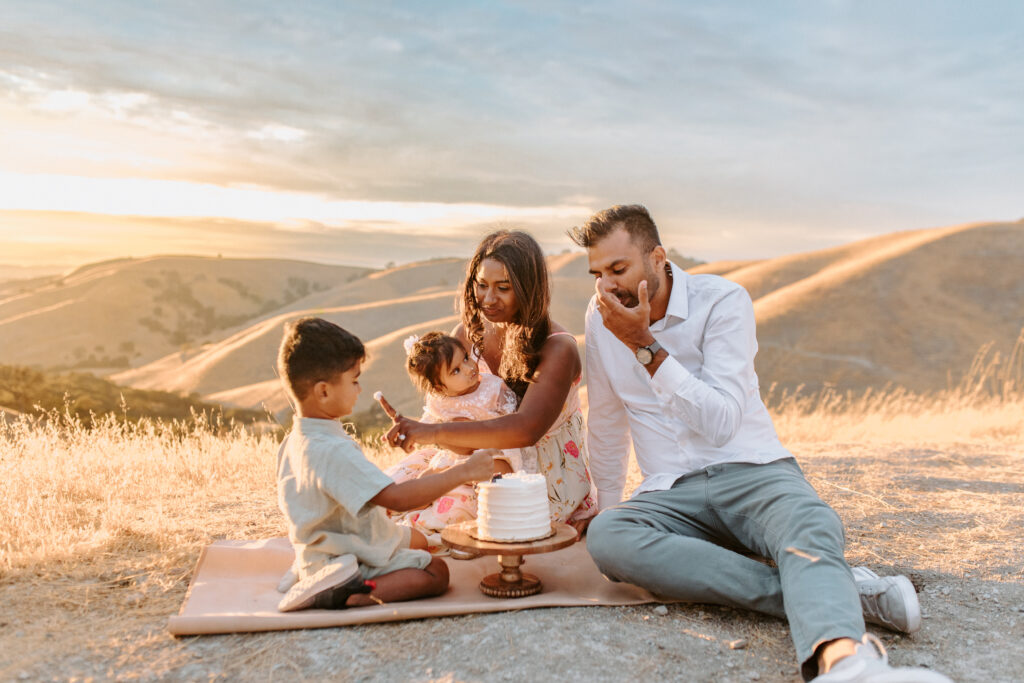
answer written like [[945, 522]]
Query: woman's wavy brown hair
[[528, 274]]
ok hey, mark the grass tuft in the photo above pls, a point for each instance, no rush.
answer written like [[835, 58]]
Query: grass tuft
[[987, 403]]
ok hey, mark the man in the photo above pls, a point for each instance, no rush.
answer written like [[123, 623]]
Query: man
[[670, 363]]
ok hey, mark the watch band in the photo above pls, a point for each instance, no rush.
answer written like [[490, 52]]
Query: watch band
[[645, 354]]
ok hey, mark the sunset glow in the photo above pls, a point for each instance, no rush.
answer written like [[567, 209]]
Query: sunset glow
[[157, 129], [176, 199]]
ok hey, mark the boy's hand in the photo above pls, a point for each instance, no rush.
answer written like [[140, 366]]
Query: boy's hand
[[479, 466]]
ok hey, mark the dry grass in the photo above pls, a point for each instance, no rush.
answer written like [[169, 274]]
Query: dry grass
[[102, 526], [926, 508], [77, 497], [987, 403]]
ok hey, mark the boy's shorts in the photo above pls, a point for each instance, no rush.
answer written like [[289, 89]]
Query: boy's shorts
[[403, 558]]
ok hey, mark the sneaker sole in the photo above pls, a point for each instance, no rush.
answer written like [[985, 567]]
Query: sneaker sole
[[910, 599], [304, 593]]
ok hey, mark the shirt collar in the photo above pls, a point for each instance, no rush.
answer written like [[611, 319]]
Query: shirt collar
[[678, 302], [315, 425]]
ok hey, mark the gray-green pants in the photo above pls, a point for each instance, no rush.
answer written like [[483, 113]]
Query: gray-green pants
[[685, 543]]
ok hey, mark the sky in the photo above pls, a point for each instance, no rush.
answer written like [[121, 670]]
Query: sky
[[367, 133]]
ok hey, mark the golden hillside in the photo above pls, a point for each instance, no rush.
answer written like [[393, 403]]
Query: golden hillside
[[909, 308], [127, 312], [239, 370]]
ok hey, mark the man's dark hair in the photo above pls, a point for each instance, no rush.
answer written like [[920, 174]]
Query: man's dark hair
[[314, 350], [633, 217]]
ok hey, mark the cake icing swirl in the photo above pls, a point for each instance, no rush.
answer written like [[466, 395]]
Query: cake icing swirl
[[514, 508]]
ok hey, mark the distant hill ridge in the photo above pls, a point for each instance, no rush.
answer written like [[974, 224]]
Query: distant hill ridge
[[126, 312], [908, 308]]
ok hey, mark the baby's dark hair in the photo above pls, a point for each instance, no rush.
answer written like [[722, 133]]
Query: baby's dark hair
[[314, 350], [428, 358]]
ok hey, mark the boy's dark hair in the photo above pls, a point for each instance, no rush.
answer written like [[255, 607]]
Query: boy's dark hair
[[428, 358], [633, 217], [314, 350]]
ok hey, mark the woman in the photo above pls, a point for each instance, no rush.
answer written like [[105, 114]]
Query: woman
[[504, 306]]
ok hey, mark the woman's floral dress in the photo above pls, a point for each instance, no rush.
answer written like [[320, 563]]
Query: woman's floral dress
[[561, 456]]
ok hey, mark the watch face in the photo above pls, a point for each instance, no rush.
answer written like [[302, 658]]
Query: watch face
[[644, 355]]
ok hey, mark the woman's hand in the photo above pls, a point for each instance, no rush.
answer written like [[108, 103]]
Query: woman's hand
[[404, 433]]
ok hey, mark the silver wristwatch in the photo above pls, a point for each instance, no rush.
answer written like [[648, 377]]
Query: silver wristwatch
[[645, 354]]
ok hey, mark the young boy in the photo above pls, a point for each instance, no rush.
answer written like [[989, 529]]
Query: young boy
[[334, 498]]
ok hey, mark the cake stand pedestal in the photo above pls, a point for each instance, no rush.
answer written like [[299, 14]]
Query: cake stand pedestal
[[510, 582]]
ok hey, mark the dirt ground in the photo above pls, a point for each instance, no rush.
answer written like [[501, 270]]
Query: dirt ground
[[950, 516]]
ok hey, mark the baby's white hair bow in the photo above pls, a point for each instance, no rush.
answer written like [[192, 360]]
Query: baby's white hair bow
[[409, 343]]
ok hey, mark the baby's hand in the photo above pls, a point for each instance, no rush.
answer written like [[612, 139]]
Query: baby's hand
[[479, 466]]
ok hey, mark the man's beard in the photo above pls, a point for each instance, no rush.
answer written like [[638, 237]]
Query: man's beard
[[627, 298], [631, 299]]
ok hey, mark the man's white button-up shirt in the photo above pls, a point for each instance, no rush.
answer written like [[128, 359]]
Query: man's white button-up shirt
[[702, 407]]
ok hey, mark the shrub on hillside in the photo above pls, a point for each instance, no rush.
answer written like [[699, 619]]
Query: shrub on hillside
[[86, 397]]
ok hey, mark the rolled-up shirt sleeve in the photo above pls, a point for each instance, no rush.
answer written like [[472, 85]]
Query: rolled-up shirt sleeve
[[713, 404], [607, 424]]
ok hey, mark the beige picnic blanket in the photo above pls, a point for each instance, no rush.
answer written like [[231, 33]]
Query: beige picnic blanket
[[234, 589]]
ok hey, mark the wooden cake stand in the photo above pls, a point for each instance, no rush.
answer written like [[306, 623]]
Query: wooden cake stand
[[510, 582]]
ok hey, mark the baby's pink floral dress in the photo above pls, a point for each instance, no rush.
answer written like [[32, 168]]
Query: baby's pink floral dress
[[491, 399]]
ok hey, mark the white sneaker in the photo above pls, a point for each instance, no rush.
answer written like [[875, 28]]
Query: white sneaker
[[889, 601], [327, 588], [870, 664]]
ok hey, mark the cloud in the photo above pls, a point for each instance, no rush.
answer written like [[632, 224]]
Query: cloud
[[725, 117]]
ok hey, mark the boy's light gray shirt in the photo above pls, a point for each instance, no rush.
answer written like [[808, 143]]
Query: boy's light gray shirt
[[701, 407], [324, 487]]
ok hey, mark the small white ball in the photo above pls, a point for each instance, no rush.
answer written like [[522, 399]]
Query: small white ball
[[377, 396]]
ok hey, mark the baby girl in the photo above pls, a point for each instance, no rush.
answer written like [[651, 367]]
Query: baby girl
[[454, 389]]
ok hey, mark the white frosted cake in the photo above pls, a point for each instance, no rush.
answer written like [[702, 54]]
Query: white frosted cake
[[513, 508]]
